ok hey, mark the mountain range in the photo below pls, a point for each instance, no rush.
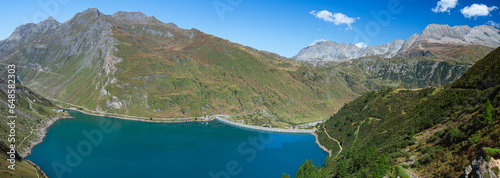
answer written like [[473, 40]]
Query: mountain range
[[132, 64], [436, 40], [129, 63]]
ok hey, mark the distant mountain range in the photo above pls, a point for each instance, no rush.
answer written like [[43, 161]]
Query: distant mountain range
[[435, 40]]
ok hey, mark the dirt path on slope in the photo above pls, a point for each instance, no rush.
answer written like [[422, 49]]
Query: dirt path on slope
[[333, 140]]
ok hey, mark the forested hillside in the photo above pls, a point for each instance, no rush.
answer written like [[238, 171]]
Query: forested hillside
[[433, 132]]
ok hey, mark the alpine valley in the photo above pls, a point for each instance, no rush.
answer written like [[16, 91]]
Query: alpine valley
[[417, 105], [129, 63]]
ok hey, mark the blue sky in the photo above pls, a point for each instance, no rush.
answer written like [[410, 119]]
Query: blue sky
[[283, 27]]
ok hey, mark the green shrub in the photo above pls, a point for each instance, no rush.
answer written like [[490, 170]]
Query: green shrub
[[453, 135], [487, 113], [415, 164], [41, 111], [308, 169], [399, 171], [496, 170], [492, 151], [475, 139], [488, 158]]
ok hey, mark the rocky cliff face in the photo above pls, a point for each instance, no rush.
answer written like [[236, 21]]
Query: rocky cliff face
[[53, 54], [386, 50], [481, 168], [133, 17], [74, 58], [436, 37], [435, 40], [327, 51], [409, 42], [28, 32], [375, 73], [480, 35]]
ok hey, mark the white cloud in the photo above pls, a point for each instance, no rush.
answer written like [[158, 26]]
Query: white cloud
[[335, 18], [360, 45], [317, 41], [444, 6], [476, 10], [492, 23]]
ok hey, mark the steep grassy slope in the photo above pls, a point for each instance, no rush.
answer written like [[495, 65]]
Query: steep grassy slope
[[430, 132], [23, 168], [201, 73], [33, 112], [143, 67]]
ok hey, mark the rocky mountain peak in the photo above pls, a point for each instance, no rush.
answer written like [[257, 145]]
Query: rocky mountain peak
[[172, 25], [33, 29], [325, 51], [132, 17], [409, 42], [20, 31], [86, 16], [463, 30], [93, 12], [436, 33], [50, 20], [323, 42], [480, 35], [49, 23]]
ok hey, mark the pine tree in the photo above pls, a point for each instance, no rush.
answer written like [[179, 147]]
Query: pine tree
[[342, 168], [381, 167]]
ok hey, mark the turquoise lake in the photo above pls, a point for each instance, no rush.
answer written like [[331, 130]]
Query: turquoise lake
[[94, 146]]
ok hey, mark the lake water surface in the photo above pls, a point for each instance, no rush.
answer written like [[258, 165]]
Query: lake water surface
[[94, 146]]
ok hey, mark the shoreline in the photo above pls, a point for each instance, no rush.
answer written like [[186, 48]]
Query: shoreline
[[37, 168], [321, 146], [142, 120], [40, 135], [42, 131], [264, 129]]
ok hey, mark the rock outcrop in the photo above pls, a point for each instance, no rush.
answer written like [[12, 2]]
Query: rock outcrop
[[479, 168]]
